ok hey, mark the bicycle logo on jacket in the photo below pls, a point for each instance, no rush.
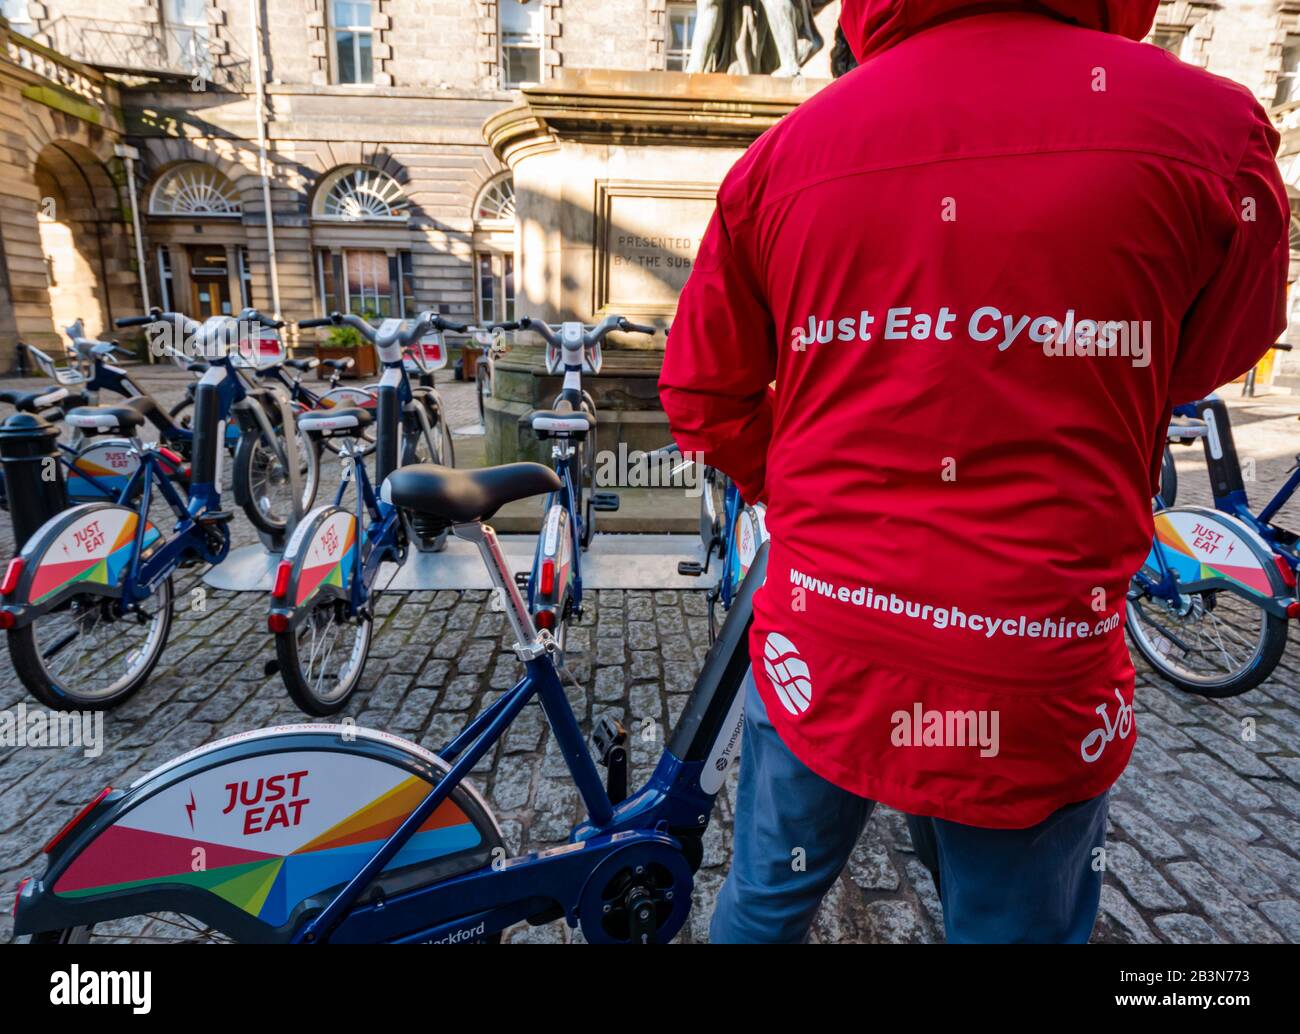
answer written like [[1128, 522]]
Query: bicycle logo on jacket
[[1098, 738]]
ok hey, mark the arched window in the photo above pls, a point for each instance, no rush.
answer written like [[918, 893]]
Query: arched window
[[360, 193], [496, 201], [194, 189], [494, 250]]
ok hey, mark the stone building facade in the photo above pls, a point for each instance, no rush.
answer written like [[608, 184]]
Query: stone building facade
[[386, 197]]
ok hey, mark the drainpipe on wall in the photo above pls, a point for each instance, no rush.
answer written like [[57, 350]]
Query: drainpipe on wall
[[255, 23], [130, 156]]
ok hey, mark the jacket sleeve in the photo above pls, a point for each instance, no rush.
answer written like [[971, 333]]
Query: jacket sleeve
[[1241, 311], [718, 363]]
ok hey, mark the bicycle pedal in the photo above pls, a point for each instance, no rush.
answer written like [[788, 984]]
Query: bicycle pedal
[[521, 580], [691, 568], [215, 517], [609, 739], [607, 735], [606, 502]]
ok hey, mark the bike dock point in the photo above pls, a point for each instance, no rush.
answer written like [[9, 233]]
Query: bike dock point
[[614, 561], [639, 547]]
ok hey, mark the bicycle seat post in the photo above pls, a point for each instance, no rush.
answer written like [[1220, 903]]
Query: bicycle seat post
[[528, 646]]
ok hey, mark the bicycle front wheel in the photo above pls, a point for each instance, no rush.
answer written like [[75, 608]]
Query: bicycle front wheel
[[262, 482], [428, 534], [85, 655]]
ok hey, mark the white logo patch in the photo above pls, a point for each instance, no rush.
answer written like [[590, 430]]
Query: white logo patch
[[788, 673]]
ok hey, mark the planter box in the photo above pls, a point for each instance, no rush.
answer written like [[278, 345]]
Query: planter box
[[469, 357], [363, 361]]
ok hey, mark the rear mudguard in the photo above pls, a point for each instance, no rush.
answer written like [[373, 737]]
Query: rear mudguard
[[347, 398], [249, 834], [750, 533], [102, 468], [322, 555], [555, 543], [1208, 550], [84, 549]]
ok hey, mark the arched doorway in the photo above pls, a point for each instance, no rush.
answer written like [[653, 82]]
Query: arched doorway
[[80, 236]]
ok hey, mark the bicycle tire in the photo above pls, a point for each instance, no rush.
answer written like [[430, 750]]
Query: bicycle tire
[[32, 672], [243, 472]]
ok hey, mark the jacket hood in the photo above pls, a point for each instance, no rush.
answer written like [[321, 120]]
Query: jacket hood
[[871, 26]]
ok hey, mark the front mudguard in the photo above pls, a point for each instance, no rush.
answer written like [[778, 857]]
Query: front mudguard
[[251, 833], [86, 549], [1208, 550]]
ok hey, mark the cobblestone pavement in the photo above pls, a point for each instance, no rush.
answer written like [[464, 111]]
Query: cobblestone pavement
[[1205, 834]]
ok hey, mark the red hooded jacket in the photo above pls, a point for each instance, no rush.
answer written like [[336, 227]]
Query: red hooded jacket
[[980, 269]]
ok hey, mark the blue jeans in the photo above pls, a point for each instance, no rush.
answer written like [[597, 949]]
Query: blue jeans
[[794, 832]]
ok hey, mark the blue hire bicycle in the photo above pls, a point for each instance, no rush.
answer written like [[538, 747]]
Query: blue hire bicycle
[[87, 604], [554, 584], [97, 466], [1209, 607], [731, 531], [329, 833], [322, 604]]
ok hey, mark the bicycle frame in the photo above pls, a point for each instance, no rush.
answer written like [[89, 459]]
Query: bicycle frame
[[652, 823], [1229, 488]]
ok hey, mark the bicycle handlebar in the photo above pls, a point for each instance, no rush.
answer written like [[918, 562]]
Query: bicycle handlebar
[[324, 321], [592, 333], [253, 316], [139, 321]]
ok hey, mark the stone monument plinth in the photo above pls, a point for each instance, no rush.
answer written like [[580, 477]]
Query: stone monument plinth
[[615, 176]]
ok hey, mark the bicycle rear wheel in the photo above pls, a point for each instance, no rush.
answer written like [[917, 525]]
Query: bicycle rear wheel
[[149, 928], [1216, 644], [322, 656], [86, 655]]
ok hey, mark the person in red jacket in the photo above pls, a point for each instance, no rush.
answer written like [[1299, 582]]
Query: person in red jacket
[[980, 269]]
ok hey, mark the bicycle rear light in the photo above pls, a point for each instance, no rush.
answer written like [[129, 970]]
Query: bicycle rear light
[[282, 573], [76, 819], [12, 575]]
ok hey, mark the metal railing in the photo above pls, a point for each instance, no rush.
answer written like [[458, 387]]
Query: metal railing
[[148, 49], [54, 66]]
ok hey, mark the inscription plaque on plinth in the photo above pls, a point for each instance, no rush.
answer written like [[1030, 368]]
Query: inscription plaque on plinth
[[646, 238]]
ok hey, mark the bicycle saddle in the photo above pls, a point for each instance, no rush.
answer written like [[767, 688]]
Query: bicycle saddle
[[302, 364], [460, 496], [35, 401], [105, 418], [337, 364], [335, 419], [549, 422]]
